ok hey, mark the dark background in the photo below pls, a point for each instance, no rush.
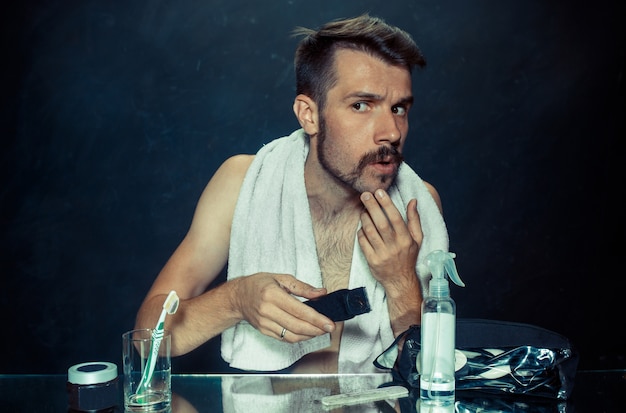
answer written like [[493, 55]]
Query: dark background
[[115, 114]]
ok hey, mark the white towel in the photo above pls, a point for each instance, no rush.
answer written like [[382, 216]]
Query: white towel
[[272, 232]]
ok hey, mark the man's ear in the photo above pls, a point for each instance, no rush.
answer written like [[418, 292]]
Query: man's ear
[[305, 110]]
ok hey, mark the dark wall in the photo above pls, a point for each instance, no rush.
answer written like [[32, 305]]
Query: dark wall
[[115, 115]]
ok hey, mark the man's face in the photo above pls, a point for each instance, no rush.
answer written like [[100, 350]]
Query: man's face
[[364, 124]]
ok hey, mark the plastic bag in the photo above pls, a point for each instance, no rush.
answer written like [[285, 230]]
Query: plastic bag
[[495, 357]]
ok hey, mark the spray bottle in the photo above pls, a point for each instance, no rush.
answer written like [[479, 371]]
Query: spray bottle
[[438, 332]]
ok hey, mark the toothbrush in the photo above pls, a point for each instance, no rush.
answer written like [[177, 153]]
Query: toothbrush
[[169, 307]]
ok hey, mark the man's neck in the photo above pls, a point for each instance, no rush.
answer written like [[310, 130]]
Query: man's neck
[[327, 196]]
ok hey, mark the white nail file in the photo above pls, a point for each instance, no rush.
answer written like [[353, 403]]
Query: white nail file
[[381, 393]]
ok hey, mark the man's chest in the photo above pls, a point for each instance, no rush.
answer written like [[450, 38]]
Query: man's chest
[[335, 245]]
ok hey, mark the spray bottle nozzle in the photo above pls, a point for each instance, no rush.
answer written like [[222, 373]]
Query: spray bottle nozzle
[[439, 261]]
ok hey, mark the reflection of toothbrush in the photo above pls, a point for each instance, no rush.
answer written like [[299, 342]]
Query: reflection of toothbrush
[[169, 307]]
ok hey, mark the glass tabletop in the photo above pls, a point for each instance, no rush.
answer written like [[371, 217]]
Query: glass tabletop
[[594, 391]]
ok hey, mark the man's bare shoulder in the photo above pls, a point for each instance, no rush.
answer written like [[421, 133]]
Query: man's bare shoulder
[[231, 173], [434, 194], [241, 161], [236, 165], [220, 194], [217, 202]]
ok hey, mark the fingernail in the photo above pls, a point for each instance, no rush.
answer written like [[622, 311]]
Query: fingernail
[[328, 328], [380, 193], [365, 196]]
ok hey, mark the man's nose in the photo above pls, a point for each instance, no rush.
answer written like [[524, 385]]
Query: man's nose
[[388, 129]]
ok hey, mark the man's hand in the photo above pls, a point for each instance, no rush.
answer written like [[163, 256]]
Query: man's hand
[[267, 302], [390, 245]]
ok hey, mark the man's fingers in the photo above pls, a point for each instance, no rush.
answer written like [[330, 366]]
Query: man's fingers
[[296, 287], [298, 318], [414, 224], [384, 214]]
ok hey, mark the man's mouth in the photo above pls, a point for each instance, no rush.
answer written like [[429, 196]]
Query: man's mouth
[[385, 161], [387, 165]]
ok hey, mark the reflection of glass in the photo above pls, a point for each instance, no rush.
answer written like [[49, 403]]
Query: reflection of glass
[[431, 408], [262, 393], [153, 401]]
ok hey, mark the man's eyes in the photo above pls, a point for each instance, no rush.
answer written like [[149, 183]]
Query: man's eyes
[[400, 110], [360, 106]]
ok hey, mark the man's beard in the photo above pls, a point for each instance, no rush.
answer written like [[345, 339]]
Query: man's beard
[[354, 179]]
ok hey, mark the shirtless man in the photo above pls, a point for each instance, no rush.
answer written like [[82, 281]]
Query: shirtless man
[[352, 103]]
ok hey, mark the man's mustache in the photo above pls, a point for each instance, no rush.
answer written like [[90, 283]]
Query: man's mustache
[[385, 153]]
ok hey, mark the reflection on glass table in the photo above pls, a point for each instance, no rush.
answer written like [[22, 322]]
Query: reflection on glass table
[[594, 391]]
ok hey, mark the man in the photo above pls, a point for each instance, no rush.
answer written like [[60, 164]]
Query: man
[[331, 206]]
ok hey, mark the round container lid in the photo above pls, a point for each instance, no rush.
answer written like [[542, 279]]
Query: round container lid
[[92, 372]]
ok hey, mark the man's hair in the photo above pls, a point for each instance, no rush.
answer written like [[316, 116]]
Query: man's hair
[[315, 55]]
